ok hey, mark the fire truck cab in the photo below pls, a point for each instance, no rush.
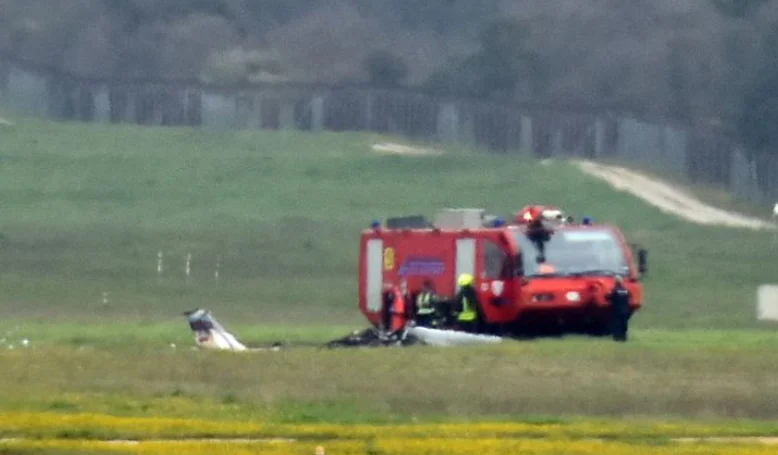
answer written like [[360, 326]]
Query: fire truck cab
[[540, 272]]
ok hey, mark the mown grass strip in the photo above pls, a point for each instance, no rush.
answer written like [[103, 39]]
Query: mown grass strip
[[389, 446], [106, 427]]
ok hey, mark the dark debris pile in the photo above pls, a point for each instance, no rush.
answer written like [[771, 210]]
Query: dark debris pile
[[373, 337]]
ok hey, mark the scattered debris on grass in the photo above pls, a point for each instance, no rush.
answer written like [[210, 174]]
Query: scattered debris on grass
[[209, 334], [374, 338]]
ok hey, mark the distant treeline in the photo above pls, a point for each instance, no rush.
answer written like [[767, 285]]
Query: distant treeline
[[711, 62]]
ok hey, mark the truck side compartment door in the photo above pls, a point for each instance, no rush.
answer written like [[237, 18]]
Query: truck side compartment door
[[496, 280], [374, 275], [465, 262]]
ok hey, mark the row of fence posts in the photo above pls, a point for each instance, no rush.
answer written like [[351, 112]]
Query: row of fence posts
[[187, 266], [161, 268]]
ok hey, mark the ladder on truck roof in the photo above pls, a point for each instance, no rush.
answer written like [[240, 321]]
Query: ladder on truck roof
[[445, 219], [408, 222]]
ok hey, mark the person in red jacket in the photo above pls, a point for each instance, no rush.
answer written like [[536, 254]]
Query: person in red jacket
[[398, 311], [394, 311]]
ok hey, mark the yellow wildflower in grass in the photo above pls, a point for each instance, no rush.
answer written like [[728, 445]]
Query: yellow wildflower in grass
[[495, 446], [106, 427], [99, 426], [185, 447], [396, 446]]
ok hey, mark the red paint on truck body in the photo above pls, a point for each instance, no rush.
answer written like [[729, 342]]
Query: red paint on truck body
[[511, 294]]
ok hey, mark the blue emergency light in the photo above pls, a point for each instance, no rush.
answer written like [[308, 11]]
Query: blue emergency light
[[586, 221], [375, 224], [499, 222]]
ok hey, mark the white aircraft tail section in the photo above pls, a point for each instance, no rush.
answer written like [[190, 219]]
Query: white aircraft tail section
[[209, 334]]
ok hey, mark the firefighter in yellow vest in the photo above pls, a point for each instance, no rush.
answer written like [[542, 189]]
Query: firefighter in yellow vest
[[425, 306], [466, 305]]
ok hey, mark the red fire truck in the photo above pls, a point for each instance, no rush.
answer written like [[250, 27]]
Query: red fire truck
[[542, 271]]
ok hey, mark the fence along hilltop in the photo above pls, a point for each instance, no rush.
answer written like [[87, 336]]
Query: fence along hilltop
[[697, 155]]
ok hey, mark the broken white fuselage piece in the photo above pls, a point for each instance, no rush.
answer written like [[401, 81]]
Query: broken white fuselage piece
[[437, 337], [209, 334]]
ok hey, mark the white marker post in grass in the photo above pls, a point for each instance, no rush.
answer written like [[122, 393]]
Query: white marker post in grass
[[767, 302], [218, 265], [775, 221], [188, 266], [159, 265]]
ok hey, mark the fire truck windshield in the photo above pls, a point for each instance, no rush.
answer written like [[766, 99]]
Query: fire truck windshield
[[571, 252]]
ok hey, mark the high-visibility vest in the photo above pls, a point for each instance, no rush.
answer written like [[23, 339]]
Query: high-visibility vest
[[424, 303], [468, 313]]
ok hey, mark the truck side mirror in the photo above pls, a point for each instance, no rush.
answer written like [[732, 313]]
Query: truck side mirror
[[642, 261]]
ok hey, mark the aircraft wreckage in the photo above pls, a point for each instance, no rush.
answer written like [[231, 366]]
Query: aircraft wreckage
[[210, 334], [542, 272]]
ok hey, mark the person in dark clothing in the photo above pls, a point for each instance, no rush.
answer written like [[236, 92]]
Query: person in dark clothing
[[619, 300], [387, 301]]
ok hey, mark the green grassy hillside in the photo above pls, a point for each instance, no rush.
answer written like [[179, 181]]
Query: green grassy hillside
[[86, 208]]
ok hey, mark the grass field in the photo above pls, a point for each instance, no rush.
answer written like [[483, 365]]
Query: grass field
[[573, 396], [87, 208], [87, 433], [700, 376]]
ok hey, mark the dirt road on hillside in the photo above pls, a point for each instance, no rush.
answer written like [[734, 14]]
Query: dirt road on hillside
[[406, 150], [669, 199], [662, 195]]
